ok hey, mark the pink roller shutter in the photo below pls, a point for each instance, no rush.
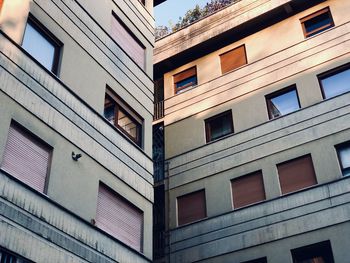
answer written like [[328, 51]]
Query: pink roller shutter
[[119, 218], [128, 42], [26, 158]]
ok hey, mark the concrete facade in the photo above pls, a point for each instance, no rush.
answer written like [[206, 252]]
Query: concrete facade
[[66, 112], [278, 56]]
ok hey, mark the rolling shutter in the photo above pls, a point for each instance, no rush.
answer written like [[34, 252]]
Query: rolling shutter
[[185, 74], [119, 218], [128, 42], [191, 207], [296, 174], [233, 59], [26, 158], [248, 189]]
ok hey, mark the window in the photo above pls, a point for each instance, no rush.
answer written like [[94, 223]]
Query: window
[[259, 260], [296, 174], [335, 82], [119, 218], [282, 102], [185, 79], [343, 151], [248, 189], [128, 41], [9, 257], [191, 207], [316, 253], [117, 112], [317, 22], [26, 158], [233, 59], [41, 45], [218, 126]]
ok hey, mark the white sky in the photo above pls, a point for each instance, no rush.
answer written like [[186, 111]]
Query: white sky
[[173, 9]]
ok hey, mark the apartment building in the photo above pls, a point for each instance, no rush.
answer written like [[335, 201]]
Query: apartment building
[[256, 127], [76, 110]]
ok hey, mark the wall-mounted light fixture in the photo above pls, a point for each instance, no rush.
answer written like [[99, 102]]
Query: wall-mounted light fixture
[[76, 157]]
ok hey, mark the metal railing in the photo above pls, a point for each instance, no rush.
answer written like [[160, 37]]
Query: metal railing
[[158, 110]]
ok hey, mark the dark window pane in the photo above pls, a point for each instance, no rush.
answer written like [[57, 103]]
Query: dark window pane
[[317, 22], [316, 253], [117, 113], [336, 84], [186, 83], [219, 126], [323, 21], [344, 158], [283, 104], [39, 46]]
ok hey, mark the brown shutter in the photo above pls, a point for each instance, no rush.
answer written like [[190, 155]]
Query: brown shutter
[[296, 174], [128, 42], [248, 189], [185, 74], [26, 158], [233, 59], [191, 207], [119, 218]]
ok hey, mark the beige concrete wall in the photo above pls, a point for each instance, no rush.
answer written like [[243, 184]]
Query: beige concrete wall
[[288, 59], [87, 48]]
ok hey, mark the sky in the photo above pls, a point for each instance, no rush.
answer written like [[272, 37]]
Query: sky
[[173, 9]]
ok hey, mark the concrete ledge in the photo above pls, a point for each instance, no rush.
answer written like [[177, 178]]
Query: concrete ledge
[[281, 218], [50, 101], [30, 221]]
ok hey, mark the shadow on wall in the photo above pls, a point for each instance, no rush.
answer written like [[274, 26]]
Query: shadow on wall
[[13, 17]]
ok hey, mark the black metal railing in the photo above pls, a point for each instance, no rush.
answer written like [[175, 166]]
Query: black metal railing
[[158, 110]]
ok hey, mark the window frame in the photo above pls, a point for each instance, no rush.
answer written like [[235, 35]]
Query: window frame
[[50, 37], [338, 147], [36, 138], [322, 247], [119, 103], [136, 39], [308, 155], [245, 176], [330, 73], [313, 15], [233, 49], [258, 260], [207, 121], [278, 93], [186, 195], [178, 91]]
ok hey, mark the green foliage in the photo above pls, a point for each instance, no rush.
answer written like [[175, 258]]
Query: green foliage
[[192, 15]]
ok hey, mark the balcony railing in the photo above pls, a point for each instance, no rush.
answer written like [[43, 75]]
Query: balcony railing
[[158, 110]]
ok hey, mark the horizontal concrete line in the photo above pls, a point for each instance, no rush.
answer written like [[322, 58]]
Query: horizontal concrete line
[[98, 46], [59, 236], [228, 17], [312, 207], [178, 169], [143, 19], [272, 64], [277, 225], [92, 137], [130, 71], [67, 111]]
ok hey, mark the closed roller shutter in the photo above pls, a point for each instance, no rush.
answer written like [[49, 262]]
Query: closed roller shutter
[[191, 207], [248, 189], [233, 59], [128, 42], [296, 174], [119, 218], [26, 158], [185, 74]]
